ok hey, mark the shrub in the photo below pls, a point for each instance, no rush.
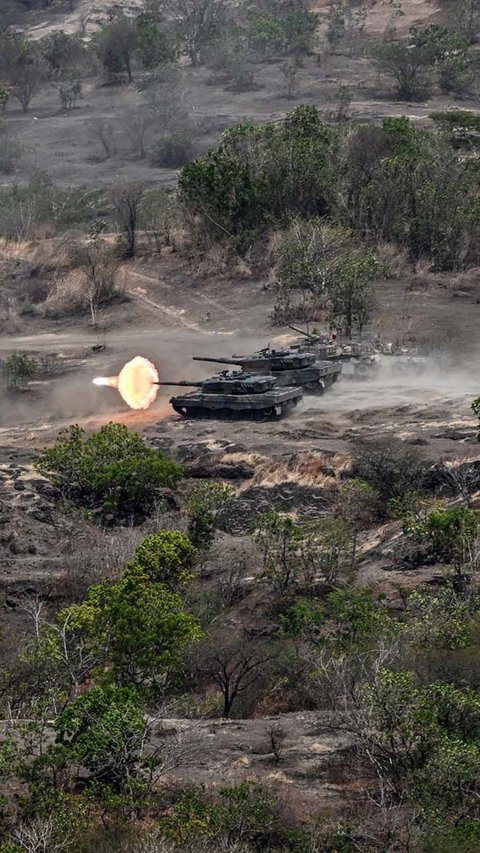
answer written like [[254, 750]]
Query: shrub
[[407, 64], [112, 472], [389, 466], [17, 370], [172, 150], [166, 557], [10, 152]]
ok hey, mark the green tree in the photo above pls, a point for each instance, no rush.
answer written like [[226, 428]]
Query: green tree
[[295, 556], [407, 64], [450, 534], [330, 271], [356, 505], [205, 503], [197, 23], [104, 731], [154, 46], [449, 52], [111, 472], [136, 630], [116, 44], [424, 742], [62, 52], [260, 175], [166, 557], [21, 67], [351, 295], [357, 618]]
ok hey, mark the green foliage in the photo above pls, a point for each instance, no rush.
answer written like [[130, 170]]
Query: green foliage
[[17, 370], [407, 64], [476, 410], [457, 118], [62, 52], [357, 617], [443, 620], [104, 732], [295, 556], [391, 467], [449, 534], [4, 96], [116, 44], [243, 813], [137, 631], [305, 618], [166, 557], [285, 28], [259, 175], [425, 740], [111, 471], [154, 46], [205, 503], [266, 34], [449, 51]]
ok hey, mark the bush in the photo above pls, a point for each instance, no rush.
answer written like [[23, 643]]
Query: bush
[[408, 65], [10, 152], [172, 151], [389, 466], [166, 557], [111, 473], [17, 370]]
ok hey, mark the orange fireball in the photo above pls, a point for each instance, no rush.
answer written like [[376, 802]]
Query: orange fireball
[[137, 382]]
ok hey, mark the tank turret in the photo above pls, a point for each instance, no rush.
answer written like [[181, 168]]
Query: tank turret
[[289, 367], [236, 396], [314, 342]]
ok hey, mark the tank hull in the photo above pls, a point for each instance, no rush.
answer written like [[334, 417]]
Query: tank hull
[[314, 380], [270, 405]]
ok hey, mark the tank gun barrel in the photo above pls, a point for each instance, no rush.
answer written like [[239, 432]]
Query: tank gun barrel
[[300, 331], [217, 360], [183, 383]]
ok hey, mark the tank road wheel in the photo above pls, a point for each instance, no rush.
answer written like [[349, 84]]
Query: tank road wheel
[[264, 415], [313, 387]]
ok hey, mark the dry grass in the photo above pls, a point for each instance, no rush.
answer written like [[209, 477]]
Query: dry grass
[[304, 469], [394, 259]]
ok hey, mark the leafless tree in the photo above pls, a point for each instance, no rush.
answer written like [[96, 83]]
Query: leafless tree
[[137, 127], [290, 70], [103, 132], [100, 274], [463, 479], [126, 200], [197, 22], [41, 836], [277, 736], [235, 667]]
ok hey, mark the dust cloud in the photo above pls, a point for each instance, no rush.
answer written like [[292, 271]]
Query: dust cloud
[[394, 382]]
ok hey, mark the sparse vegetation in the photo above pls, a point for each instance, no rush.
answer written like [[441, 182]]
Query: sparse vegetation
[[295, 607]]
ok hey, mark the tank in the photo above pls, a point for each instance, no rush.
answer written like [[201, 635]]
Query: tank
[[289, 367], [315, 343], [236, 396]]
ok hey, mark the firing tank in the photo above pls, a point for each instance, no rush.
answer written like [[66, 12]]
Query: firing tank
[[236, 396], [288, 367]]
